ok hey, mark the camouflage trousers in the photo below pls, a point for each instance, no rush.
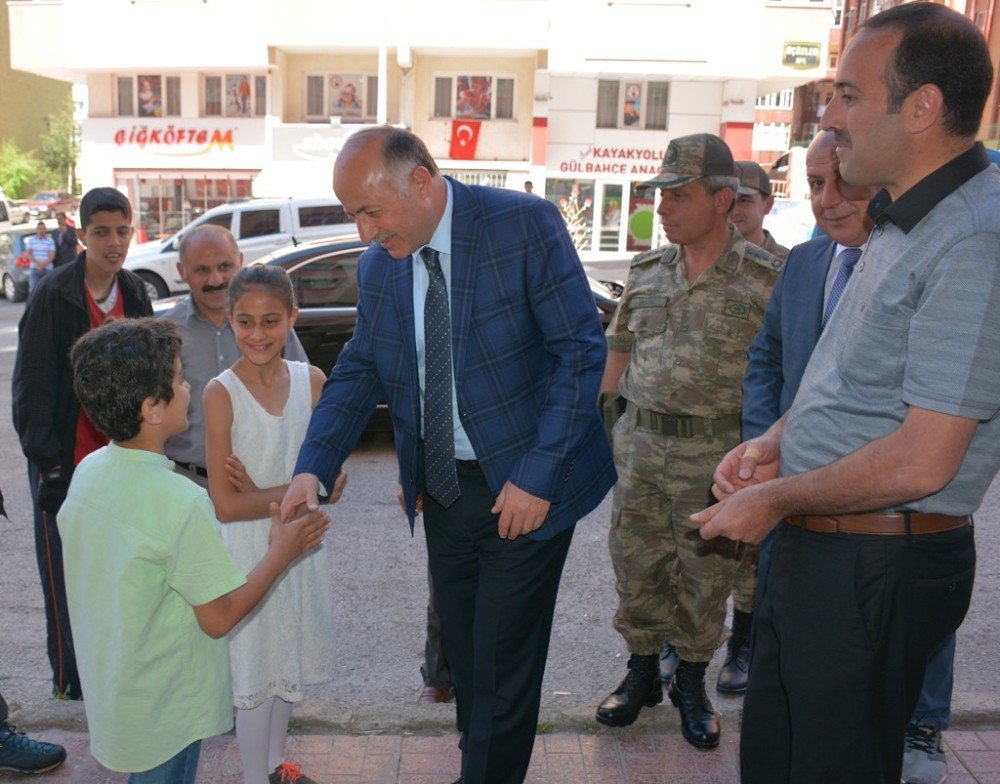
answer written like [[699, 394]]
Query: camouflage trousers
[[745, 579], [671, 583]]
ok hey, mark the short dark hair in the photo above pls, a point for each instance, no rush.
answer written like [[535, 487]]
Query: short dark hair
[[402, 150], [272, 278], [103, 200], [119, 365], [941, 47]]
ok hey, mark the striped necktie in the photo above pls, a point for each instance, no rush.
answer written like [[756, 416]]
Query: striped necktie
[[439, 427], [847, 259]]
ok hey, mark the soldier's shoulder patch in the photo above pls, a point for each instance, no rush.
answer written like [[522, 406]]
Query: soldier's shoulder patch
[[664, 252], [760, 256]]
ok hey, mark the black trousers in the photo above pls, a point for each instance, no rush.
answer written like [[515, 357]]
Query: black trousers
[[48, 551], [434, 670], [843, 636], [496, 599]]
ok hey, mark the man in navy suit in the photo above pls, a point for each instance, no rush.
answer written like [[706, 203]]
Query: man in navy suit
[[494, 275]]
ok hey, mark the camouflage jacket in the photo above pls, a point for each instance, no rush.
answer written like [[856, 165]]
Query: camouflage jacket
[[689, 341]]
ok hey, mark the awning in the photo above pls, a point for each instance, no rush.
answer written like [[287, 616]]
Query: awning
[[295, 179]]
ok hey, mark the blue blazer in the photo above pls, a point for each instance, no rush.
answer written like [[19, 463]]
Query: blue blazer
[[792, 324], [528, 358]]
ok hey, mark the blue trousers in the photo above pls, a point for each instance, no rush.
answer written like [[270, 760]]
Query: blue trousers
[[179, 769]]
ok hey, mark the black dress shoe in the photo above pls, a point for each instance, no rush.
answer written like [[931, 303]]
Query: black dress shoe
[[699, 721], [668, 661], [641, 687]]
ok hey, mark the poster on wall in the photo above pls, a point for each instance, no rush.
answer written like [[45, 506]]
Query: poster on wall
[[150, 96], [345, 95], [473, 97], [633, 103], [238, 102]]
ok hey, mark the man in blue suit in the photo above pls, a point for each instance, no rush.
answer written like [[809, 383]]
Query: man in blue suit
[[476, 323]]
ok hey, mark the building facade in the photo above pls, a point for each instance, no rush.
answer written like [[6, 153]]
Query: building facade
[[191, 106]]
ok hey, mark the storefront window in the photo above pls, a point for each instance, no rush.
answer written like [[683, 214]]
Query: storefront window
[[611, 217], [575, 199], [165, 203], [641, 220]]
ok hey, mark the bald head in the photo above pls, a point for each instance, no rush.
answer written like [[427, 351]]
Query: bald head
[[841, 210], [209, 258], [388, 182]]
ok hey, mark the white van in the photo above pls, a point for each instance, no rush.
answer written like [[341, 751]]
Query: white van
[[260, 227]]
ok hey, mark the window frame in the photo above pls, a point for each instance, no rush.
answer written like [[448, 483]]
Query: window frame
[[366, 92], [625, 96], [228, 80], [162, 92], [454, 78]]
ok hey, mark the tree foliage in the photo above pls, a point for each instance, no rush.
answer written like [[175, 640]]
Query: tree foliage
[[19, 170], [59, 148]]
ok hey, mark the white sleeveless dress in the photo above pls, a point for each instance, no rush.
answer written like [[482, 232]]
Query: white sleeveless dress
[[286, 642]]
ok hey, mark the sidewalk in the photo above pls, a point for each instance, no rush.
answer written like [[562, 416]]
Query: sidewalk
[[604, 757]]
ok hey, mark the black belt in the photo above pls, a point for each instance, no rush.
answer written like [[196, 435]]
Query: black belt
[[191, 468], [684, 426]]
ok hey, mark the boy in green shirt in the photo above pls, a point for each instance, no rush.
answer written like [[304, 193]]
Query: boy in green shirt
[[152, 590]]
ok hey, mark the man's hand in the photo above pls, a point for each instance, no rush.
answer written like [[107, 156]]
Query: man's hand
[[301, 496], [338, 486], [750, 463], [52, 488], [520, 512], [747, 516], [402, 500]]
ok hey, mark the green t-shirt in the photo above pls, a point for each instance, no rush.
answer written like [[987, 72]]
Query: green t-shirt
[[141, 545]]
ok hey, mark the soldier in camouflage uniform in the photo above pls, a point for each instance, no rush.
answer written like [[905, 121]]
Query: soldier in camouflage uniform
[[677, 353]]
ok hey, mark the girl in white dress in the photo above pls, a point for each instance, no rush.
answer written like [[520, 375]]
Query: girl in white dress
[[256, 415]]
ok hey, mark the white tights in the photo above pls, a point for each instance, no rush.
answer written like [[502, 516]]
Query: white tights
[[260, 733]]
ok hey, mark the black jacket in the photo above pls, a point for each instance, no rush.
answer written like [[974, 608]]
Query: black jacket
[[45, 405], [65, 246]]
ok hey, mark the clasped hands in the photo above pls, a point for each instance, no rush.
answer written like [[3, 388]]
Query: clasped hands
[[745, 512]]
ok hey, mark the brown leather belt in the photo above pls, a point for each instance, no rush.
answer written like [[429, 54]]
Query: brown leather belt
[[880, 523]]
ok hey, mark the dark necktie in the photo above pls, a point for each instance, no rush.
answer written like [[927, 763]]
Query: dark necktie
[[439, 427], [848, 258]]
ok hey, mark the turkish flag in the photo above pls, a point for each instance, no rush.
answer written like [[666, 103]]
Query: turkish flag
[[464, 136]]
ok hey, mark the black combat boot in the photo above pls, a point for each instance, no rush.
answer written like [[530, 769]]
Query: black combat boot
[[699, 721], [641, 687], [734, 673], [668, 661]]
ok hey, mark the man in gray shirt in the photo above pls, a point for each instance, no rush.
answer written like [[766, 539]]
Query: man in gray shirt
[[894, 436], [209, 259]]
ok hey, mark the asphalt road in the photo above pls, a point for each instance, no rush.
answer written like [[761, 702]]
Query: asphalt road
[[379, 581]]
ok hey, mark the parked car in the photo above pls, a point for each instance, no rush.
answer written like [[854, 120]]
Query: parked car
[[260, 227], [13, 212], [14, 260], [47, 203], [18, 211]]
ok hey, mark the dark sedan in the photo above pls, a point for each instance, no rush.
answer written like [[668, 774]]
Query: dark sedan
[[324, 277]]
